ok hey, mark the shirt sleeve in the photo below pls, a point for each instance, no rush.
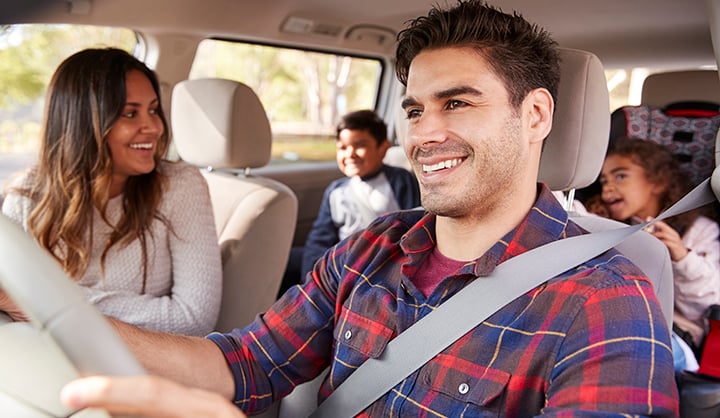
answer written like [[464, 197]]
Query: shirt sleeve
[[609, 362], [289, 344]]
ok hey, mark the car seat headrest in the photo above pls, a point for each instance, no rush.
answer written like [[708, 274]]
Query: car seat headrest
[[662, 89], [574, 151], [220, 123]]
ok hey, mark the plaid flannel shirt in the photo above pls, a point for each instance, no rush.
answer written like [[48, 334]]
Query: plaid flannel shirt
[[590, 342]]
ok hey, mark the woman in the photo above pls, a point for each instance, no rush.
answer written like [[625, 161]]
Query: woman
[[135, 231]]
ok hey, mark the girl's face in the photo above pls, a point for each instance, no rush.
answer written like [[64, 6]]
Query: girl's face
[[626, 190], [134, 136]]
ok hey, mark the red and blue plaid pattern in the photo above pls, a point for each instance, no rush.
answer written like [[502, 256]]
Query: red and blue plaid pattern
[[591, 342]]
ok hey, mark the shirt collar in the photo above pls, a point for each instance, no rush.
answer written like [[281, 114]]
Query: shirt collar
[[545, 222]]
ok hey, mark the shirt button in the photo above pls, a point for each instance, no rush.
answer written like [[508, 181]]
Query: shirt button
[[348, 334], [463, 388]]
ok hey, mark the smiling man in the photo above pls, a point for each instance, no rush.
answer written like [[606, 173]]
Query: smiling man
[[591, 342]]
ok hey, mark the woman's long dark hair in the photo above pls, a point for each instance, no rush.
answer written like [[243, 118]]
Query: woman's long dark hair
[[86, 96]]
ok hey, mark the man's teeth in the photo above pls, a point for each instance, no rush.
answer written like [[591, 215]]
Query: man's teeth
[[149, 145], [441, 165]]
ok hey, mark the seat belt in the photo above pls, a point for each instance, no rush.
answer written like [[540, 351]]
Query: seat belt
[[452, 319]]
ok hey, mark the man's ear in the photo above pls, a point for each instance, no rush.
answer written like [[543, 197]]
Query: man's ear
[[539, 108]]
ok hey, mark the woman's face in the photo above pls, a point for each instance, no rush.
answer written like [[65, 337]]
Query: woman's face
[[134, 136], [626, 190]]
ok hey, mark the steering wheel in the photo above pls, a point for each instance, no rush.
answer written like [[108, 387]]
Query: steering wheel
[[66, 337]]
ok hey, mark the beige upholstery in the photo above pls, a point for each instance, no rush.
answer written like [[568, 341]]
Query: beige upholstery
[[575, 149], [573, 155], [221, 125], [661, 89]]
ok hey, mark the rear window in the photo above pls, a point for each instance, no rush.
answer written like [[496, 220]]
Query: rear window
[[303, 92], [29, 54], [625, 84]]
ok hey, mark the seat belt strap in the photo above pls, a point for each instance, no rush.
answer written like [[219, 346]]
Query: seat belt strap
[[451, 320]]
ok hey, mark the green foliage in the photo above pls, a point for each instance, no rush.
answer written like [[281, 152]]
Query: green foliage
[[29, 55]]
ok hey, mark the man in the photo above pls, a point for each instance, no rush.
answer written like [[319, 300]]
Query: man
[[592, 341]]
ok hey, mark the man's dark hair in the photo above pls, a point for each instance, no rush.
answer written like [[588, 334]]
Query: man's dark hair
[[364, 120], [523, 55]]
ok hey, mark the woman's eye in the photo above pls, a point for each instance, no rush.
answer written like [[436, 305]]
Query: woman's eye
[[130, 114]]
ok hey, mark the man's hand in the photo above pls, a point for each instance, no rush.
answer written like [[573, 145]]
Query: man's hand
[[146, 396]]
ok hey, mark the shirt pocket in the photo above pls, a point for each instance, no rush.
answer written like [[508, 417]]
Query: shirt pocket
[[462, 387], [359, 338]]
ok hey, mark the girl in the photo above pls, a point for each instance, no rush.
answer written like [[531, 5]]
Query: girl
[[641, 178]]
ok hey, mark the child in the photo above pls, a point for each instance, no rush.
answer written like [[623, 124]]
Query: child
[[640, 179], [368, 190]]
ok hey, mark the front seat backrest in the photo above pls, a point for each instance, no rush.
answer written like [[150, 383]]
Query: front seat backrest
[[574, 153], [221, 126]]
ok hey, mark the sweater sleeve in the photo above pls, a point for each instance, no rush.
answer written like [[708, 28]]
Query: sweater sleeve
[[697, 276], [14, 205], [192, 304]]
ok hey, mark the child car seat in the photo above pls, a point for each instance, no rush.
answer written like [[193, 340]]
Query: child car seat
[[688, 129]]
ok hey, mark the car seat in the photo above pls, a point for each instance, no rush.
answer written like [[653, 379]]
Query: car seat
[[572, 157], [221, 126], [681, 110]]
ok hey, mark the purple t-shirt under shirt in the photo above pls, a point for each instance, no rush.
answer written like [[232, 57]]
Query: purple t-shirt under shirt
[[434, 269]]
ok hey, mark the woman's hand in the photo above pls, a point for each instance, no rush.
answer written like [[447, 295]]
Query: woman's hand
[[8, 305], [670, 237], [146, 396]]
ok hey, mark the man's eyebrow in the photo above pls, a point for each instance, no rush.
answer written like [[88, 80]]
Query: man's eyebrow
[[456, 91], [407, 102], [444, 94]]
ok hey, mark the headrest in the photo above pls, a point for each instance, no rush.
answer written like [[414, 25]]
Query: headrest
[[575, 149], [220, 123], [661, 89]]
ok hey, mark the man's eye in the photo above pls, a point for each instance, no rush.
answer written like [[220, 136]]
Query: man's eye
[[413, 113], [453, 104]]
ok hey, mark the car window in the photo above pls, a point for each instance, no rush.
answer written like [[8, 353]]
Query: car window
[[304, 92], [625, 84], [29, 54]]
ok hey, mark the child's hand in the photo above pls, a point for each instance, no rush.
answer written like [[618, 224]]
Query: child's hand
[[670, 237]]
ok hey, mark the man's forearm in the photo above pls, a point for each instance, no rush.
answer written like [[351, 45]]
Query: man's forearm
[[192, 361]]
